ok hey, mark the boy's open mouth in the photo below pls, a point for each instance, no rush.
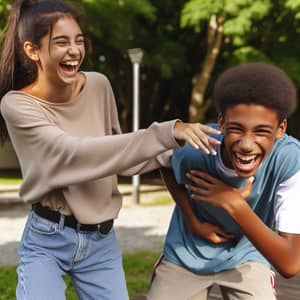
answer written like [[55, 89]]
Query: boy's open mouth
[[246, 163]]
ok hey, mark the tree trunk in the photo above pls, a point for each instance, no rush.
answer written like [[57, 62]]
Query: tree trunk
[[198, 105]]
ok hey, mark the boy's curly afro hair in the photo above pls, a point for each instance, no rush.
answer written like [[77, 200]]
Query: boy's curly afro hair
[[256, 83]]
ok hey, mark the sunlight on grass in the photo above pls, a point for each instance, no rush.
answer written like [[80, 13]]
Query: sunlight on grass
[[138, 269], [8, 280], [11, 181], [159, 200], [10, 177]]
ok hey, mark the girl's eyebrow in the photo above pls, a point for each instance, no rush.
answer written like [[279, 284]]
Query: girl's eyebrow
[[57, 37]]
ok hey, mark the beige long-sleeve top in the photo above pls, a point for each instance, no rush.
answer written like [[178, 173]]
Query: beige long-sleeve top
[[70, 153]]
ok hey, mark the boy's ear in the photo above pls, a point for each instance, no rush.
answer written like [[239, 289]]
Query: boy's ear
[[31, 51], [281, 129], [221, 122]]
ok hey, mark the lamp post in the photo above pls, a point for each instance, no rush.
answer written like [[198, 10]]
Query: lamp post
[[136, 56]]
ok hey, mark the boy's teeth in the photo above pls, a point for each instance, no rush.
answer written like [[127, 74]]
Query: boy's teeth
[[245, 158]]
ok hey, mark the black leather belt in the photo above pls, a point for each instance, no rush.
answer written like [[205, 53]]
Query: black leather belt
[[70, 221]]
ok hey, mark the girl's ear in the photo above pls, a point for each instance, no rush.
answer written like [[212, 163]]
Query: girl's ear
[[31, 51], [281, 129], [221, 122]]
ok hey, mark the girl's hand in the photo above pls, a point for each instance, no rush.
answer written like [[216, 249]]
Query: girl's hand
[[196, 135], [209, 232], [215, 192]]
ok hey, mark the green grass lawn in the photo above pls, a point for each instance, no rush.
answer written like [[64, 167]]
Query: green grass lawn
[[138, 268], [10, 177]]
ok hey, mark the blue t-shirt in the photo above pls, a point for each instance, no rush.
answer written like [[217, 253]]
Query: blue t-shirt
[[200, 256]]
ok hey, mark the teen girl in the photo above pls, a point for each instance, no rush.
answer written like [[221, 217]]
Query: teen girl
[[63, 124]]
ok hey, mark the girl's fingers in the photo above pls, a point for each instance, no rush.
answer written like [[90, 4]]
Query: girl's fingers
[[209, 129], [199, 139], [196, 135], [196, 138], [200, 135], [213, 141]]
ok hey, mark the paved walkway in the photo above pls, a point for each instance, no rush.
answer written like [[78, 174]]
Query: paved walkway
[[138, 227]]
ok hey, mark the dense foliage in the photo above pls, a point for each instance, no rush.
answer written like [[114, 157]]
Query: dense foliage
[[175, 37]]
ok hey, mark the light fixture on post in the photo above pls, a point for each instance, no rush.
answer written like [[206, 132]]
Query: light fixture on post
[[136, 56]]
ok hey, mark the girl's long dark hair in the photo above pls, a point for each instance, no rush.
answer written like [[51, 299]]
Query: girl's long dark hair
[[29, 20]]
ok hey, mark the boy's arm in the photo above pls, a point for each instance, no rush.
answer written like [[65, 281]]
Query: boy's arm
[[207, 231], [282, 250]]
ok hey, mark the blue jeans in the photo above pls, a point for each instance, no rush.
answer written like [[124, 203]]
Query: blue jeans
[[48, 251]]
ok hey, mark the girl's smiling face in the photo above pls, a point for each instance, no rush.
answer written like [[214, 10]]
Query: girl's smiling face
[[61, 53], [250, 131]]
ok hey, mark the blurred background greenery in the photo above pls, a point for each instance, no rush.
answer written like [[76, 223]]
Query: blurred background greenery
[[186, 45]]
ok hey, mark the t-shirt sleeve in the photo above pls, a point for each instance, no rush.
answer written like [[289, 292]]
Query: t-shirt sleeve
[[183, 160], [287, 205]]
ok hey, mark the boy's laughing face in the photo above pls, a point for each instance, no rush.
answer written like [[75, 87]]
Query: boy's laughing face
[[250, 131]]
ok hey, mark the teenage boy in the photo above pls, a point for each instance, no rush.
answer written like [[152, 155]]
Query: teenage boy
[[241, 212]]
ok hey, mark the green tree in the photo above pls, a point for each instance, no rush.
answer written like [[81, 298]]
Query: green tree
[[4, 8], [242, 31], [225, 21], [187, 44], [282, 45], [274, 39], [115, 27]]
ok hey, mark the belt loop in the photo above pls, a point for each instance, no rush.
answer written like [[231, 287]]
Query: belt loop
[[78, 227], [61, 223]]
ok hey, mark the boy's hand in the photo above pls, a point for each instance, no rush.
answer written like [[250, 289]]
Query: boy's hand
[[215, 192], [209, 232], [196, 135]]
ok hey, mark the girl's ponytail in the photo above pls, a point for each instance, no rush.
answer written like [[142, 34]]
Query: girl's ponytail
[[9, 61]]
